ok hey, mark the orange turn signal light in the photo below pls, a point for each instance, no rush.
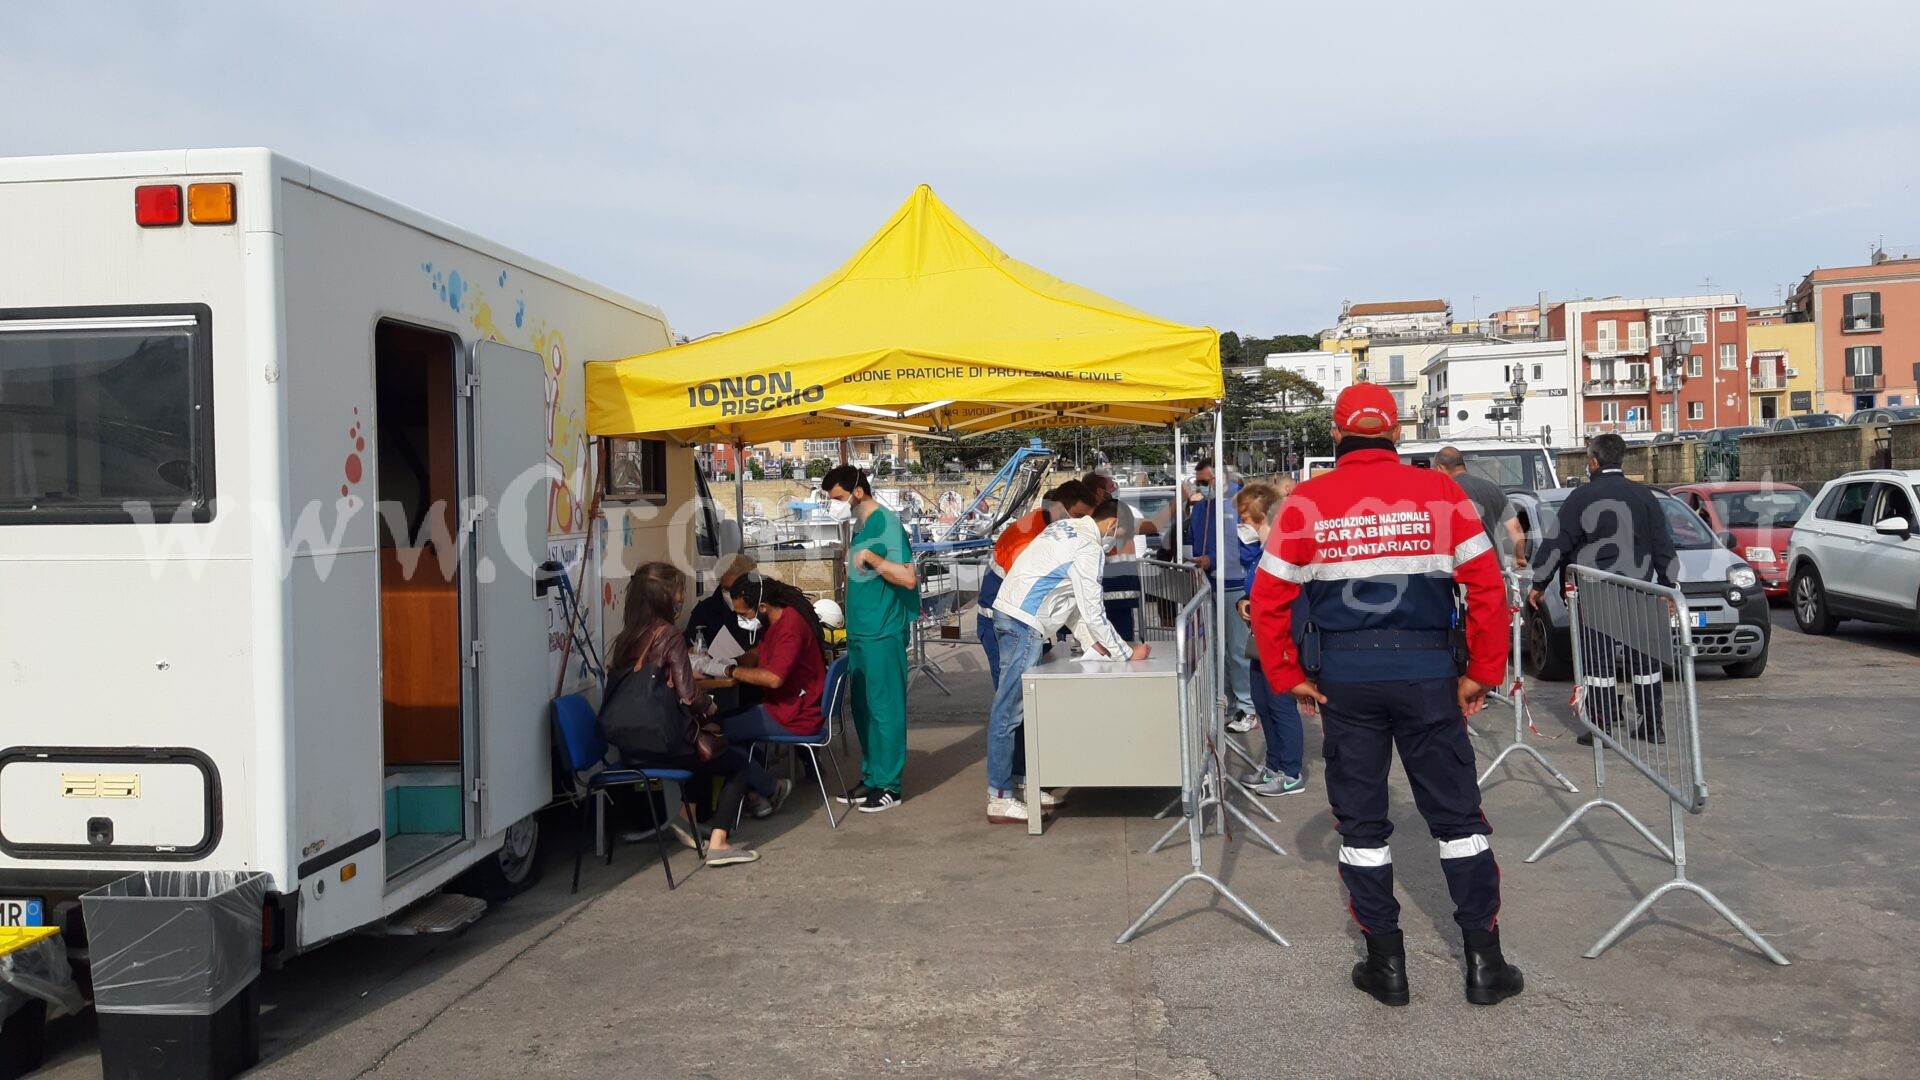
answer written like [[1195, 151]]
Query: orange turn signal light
[[349, 872], [210, 204]]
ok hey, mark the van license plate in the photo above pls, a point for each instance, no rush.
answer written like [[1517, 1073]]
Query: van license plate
[[22, 912], [1699, 620]]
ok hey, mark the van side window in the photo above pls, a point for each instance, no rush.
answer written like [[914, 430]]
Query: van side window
[[636, 471]]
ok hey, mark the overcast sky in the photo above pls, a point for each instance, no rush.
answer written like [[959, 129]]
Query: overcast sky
[[1245, 166]]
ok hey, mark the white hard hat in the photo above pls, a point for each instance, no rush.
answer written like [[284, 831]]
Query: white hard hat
[[829, 613]]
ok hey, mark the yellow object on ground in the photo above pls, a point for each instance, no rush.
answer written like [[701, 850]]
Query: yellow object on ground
[[14, 938], [929, 330]]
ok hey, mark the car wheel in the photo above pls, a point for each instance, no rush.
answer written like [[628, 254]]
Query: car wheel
[[1548, 653], [1810, 602], [510, 870], [1747, 669]]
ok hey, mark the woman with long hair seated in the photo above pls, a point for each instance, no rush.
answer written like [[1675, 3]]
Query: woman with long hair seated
[[787, 666], [650, 638]]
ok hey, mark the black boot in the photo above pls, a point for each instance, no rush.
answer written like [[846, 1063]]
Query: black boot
[[1384, 972], [1490, 979]]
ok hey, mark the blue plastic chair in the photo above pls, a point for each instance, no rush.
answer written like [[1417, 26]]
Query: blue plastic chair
[[577, 742], [832, 696]]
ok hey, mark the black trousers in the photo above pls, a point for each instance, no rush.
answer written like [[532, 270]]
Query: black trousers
[[1364, 724], [731, 767], [1603, 662]]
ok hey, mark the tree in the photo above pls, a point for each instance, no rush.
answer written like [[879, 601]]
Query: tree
[[818, 467], [1232, 354]]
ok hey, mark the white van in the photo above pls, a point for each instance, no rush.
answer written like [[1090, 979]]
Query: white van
[[278, 459], [1514, 464]]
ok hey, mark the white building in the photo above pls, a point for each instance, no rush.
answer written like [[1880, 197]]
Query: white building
[[1330, 371], [1395, 317], [1463, 381]]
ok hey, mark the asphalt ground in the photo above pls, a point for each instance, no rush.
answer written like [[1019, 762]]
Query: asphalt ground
[[925, 942]]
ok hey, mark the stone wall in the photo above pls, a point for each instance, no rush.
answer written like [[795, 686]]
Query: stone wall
[[1904, 439], [1807, 458]]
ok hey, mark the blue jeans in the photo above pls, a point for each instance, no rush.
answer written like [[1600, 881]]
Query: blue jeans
[[1019, 646], [983, 622], [1280, 720], [1239, 673]]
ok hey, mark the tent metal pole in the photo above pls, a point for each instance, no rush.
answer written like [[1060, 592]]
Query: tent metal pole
[[1179, 505], [740, 490], [1220, 555]]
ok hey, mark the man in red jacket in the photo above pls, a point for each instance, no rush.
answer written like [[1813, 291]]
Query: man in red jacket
[[1373, 550]]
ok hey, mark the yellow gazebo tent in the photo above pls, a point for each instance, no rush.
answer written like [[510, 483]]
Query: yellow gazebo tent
[[928, 330]]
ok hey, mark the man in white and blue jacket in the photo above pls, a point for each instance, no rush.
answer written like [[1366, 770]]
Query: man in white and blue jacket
[[1054, 583]]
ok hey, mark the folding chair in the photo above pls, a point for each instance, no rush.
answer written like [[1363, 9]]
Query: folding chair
[[832, 694], [577, 743]]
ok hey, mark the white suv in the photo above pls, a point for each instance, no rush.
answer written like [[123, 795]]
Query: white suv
[[1856, 552]]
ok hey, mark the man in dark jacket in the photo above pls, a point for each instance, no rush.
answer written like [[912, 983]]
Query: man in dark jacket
[[1617, 525]]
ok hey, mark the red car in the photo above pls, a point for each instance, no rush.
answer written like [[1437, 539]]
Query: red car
[[1760, 516]]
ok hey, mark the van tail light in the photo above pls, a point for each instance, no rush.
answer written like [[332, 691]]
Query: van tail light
[[157, 205], [210, 204]]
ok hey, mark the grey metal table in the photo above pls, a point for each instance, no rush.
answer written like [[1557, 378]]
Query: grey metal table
[[1101, 723]]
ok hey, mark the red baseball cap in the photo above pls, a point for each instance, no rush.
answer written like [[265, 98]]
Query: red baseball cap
[[1365, 409]]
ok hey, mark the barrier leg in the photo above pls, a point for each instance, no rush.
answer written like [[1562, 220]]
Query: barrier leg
[[1600, 799], [1681, 884], [1523, 748], [1208, 879]]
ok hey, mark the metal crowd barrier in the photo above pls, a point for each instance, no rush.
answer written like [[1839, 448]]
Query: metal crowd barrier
[[1194, 643], [950, 575], [1514, 693], [1633, 658], [1165, 589]]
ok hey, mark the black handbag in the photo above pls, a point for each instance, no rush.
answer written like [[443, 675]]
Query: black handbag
[[642, 716]]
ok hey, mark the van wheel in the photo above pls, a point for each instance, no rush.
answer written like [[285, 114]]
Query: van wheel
[[1810, 602], [1547, 656], [512, 869]]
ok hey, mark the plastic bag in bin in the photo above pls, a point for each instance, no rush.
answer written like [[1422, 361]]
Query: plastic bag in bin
[[180, 942]]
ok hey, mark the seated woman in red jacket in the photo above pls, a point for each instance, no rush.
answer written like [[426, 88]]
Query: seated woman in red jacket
[[786, 666]]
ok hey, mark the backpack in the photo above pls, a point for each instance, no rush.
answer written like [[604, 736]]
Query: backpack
[[642, 716]]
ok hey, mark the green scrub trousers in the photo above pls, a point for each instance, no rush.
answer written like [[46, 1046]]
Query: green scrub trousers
[[877, 668]]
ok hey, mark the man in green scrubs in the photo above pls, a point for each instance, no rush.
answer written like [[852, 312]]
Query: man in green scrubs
[[883, 600]]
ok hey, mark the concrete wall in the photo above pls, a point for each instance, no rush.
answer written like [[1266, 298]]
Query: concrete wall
[[1904, 440], [1807, 458]]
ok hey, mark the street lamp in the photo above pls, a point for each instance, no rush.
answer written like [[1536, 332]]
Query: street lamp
[[1519, 392], [1674, 351]]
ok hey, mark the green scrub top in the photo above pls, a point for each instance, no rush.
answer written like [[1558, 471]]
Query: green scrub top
[[875, 607]]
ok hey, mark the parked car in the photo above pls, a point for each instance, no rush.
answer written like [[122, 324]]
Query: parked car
[[1757, 517], [1856, 552], [1804, 421], [1514, 464], [1730, 624], [1678, 436], [1729, 434], [1887, 415]]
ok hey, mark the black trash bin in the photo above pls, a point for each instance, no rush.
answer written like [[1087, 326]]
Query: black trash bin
[[176, 959]]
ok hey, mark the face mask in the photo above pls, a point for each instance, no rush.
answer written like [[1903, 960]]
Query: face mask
[[1248, 534], [1203, 485], [749, 623], [839, 511]]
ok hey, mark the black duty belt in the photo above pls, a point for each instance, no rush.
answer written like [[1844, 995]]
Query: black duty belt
[[1360, 640]]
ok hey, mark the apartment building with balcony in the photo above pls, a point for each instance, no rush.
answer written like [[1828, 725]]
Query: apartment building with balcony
[[1613, 349], [1466, 380], [1780, 375], [1353, 332], [1866, 320]]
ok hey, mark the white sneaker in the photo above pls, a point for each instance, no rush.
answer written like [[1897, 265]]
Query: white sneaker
[[1242, 723], [1006, 811], [1048, 799]]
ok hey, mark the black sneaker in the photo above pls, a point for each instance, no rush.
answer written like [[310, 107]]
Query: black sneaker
[[855, 797], [878, 800]]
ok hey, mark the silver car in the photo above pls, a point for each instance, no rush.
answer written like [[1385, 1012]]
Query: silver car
[[1729, 610], [1855, 553]]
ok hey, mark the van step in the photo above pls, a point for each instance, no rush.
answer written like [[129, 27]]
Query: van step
[[441, 913]]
